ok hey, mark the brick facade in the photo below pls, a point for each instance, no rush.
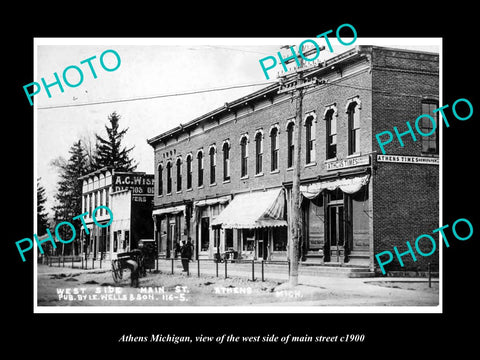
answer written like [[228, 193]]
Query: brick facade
[[407, 195], [396, 194]]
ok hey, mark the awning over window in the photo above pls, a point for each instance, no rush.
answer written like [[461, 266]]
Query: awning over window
[[253, 210], [169, 210], [347, 185], [212, 201]]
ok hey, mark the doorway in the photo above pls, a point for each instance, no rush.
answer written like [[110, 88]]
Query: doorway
[[336, 225], [204, 234], [336, 230]]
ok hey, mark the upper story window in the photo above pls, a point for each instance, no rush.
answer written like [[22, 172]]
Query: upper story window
[[200, 167], [310, 130], [353, 113], [259, 152], [213, 163], [244, 156], [189, 171], [107, 197], [274, 146], [169, 177], [226, 160], [430, 142], [331, 125], [290, 143], [179, 174], [160, 179]]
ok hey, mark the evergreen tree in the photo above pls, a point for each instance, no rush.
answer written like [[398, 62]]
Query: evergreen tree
[[42, 217], [109, 152], [69, 192]]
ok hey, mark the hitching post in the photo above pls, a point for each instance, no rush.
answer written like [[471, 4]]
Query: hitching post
[[263, 271], [429, 275], [253, 270]]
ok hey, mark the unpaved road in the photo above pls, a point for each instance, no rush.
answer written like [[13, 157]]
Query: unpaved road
[[67, 287]]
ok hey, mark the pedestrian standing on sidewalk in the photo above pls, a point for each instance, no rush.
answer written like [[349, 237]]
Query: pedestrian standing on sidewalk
[[186, 254]]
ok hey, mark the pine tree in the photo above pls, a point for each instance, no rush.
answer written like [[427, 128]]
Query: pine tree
[[42, 217], [69, 192], [109, 152]]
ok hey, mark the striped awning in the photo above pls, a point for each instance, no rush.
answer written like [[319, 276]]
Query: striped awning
[[169, 210], [253, 210]]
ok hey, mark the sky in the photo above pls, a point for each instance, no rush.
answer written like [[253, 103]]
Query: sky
[[149, 67]]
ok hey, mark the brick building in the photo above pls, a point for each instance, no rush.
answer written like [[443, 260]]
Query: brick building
[[129, 195], [224, 179]]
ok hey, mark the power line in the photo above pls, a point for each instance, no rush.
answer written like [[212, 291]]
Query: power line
[[189, 92]]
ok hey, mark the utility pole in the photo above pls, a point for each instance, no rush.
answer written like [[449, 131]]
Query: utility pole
[[297, 85]]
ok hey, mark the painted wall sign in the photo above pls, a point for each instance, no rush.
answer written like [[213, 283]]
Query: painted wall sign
[[405, 159], [347, 163], [139, 184]]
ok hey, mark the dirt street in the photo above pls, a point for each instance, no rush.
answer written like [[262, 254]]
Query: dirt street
[[67, 287]]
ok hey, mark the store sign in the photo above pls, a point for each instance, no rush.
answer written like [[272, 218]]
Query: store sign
[[409, 159], [143, 199], [347, 163], [139, 184]]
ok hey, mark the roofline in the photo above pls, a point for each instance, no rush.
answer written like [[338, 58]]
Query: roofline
[[111, 168], [226, 107], [349, 55]]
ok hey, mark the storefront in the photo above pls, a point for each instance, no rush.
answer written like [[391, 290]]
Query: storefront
[[337, 220], [254, 225], [171, 227], [210, 241]]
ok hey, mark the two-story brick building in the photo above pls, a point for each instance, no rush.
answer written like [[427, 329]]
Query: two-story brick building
[[224, 179]]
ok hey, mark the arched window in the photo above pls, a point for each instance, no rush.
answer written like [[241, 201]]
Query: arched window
[[310, 139], [244, 156], [213, 163], [274, 148], [290, 143], [179, 174], [353, 128], [160, 179], [226, 161], [258, 152], [189, 171], [200, 167], [430, 141], [331, 124], [169, 177]]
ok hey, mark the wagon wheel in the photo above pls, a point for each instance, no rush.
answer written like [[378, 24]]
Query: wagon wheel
[[117, 271]]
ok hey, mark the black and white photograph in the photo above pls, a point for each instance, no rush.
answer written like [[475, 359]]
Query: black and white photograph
[[229, 191]]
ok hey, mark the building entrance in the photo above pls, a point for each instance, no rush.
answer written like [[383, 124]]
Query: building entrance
[[336, 231]]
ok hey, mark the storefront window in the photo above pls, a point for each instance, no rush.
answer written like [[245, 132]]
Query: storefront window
[[280, 240], [248, 239], [228, 239]]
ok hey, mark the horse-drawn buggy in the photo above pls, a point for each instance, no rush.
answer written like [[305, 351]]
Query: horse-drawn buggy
[[137, 261]]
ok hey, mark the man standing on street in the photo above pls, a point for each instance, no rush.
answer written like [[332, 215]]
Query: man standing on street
[[186, 254]]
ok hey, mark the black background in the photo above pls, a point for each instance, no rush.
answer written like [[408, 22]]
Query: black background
[[95, 335]]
